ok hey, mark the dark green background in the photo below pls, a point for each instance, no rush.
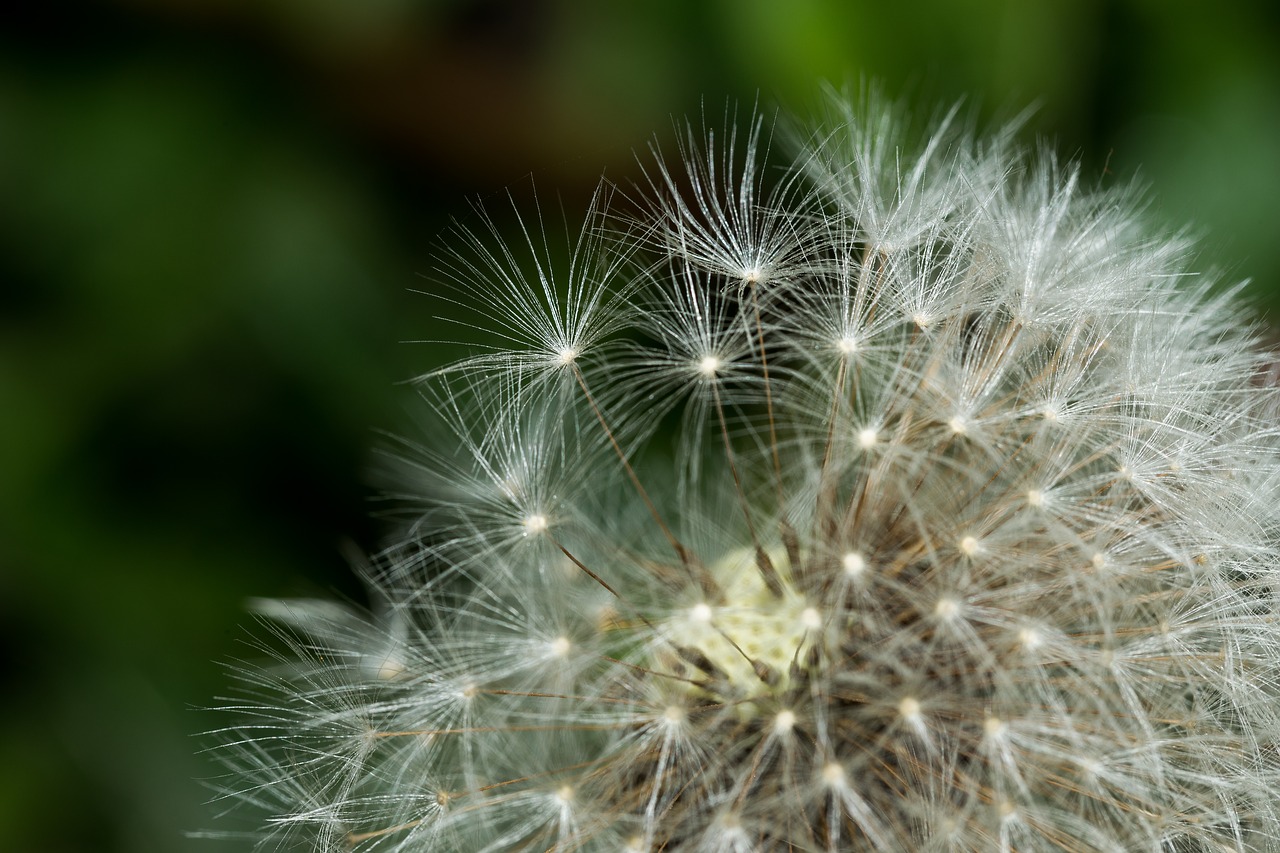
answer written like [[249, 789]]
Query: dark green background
[[212, 214]]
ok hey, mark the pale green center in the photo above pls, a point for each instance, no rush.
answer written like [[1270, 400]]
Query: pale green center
[[749, 625]]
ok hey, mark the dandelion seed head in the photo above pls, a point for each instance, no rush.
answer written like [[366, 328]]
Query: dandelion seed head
[[913, 497]]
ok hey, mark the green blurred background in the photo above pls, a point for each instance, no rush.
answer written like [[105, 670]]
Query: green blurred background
[[212, 214]]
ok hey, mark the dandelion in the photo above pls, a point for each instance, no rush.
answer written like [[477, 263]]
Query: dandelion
[[916, 504]]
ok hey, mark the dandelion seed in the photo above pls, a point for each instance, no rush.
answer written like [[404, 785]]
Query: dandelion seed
[[854, 564]]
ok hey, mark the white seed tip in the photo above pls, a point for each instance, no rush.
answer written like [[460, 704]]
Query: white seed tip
[[390, 669], [946, 608], [909, 708], [674, 714], [560, 646], [854, 564], [1007, 809], [1030, 638], [1099, 560], [564, 795], [1035, 497], [921, 320], [969, 546], [833, 774], [784, 722], [708, 366], [753, 275], [566, 356], [1050, 413], [1091, 766], [535, 524], [811, 618], [867, 438], [847, 345], [700, 613], [958, 425], [994, 726]]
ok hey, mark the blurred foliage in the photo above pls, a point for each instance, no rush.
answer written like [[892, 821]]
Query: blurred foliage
[[212, 214]]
